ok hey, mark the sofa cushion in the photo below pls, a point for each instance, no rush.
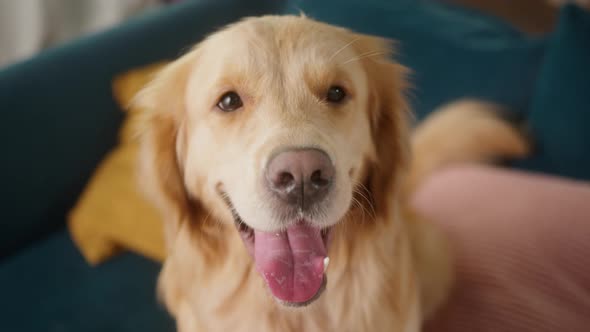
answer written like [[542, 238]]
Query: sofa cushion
[[49, 287], [112, 213], [560, 112], [520, 245], [453, 52]]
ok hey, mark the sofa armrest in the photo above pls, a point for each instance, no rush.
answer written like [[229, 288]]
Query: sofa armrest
[[59, 117]]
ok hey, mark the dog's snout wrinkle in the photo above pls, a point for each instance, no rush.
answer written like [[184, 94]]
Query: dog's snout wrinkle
[[300, 177]]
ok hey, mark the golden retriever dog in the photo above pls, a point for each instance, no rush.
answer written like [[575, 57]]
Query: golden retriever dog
[[276, 151]]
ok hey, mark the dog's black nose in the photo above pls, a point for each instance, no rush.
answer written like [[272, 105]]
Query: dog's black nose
[[300, 177]]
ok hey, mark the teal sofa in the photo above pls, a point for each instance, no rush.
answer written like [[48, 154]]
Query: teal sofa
[[59, 119]]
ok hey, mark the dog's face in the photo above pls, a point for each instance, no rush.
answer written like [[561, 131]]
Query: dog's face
[[276, 122], [264, 99]]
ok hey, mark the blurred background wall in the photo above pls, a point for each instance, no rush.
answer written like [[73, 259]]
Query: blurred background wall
[[29, 26]]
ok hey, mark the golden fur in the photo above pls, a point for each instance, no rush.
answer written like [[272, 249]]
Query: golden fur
[[388, 269]]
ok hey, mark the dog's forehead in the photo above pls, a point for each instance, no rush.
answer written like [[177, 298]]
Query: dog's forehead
[[283, 39]]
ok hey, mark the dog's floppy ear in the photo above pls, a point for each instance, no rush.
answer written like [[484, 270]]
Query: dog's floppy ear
[[162, 141], [388, 111]]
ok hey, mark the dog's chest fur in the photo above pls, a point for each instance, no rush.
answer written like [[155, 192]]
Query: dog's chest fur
[[371, 287]]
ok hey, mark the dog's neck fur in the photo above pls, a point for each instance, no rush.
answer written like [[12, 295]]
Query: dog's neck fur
[[371, 283]]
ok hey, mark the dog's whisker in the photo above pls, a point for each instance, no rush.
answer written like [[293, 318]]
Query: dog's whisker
[[206, 218], [342, 49], [360, 186], [365, 197], [218, 224], [361, 189], [215, 223], [359, 206], [365, 212], [363, 56]]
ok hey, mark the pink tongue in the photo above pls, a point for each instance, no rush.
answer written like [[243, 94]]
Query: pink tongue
[[291, 262]]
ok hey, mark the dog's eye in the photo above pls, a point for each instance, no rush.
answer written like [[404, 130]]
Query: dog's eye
[[229, 102], [336, 94]]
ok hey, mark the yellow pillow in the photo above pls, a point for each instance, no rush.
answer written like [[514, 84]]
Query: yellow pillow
[[111, 214]]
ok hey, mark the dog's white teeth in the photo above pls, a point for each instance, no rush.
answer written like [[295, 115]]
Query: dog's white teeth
[[326, 262]]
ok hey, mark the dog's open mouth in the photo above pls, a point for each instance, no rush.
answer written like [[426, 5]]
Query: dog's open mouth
[[292, 262]]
